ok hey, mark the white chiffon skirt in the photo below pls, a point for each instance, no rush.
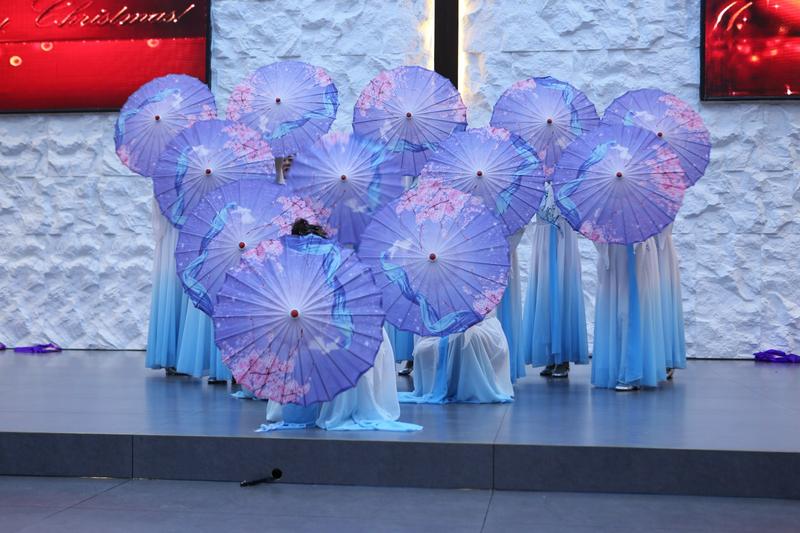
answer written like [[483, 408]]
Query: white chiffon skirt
[[371, 405], [468, 367]]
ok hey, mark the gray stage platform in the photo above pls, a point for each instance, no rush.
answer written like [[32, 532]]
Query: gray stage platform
[[721, 428]]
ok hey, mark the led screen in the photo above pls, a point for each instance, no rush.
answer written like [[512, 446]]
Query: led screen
[[751, 49], [63, 55]]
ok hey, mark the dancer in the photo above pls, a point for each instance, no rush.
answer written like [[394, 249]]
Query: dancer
[[371, 405], [554, 319], [629, 347], [509, 312], [468, 367], [671, 302], [168, 301]]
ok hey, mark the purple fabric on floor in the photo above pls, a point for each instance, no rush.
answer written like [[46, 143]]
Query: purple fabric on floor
[[776, 356]]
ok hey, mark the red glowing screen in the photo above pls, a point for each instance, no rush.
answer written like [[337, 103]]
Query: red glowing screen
[[61, 55], [751, 49]]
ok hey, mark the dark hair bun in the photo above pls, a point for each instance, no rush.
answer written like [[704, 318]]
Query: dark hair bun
[[302, 227]]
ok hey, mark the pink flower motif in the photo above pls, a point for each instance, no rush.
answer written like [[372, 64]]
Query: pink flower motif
[[522, 85], [668, 172], [498, 134], [208, 112], [379, 90], [321, 77], [684, 115], [488, 300], [268, 249], [241, 100], [247, 142], [295, 207], [429, 200], [124, 154], [593, 233]]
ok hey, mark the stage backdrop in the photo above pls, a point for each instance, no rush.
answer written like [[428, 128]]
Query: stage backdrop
[[75, 225]]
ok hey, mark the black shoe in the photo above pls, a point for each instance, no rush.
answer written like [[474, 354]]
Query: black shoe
[[561, 370], [670, 373], [215, 381], [172, 371], [547, 372], [406, 371]]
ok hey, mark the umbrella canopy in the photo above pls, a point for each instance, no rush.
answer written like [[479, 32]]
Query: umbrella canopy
[[351, 177], [203, 157], [155, 114], [672, 120], [496, 165], [410, 110], [301, 323], [619, 184], [546, 112], [228, 224], [441, 256], [291, 103]]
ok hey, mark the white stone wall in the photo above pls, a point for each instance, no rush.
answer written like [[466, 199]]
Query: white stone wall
[[738, 233], [75, 235], [75, 244]]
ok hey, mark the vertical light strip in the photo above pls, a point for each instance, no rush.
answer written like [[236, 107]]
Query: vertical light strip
[[428, 28], [462, 52]]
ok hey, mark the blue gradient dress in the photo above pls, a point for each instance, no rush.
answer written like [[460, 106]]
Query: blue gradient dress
[[509, 312], [629, 345], [168, 302], [671, 300], [371, 405], [554, 317], [468, 367], [402, 343], [198, 355]]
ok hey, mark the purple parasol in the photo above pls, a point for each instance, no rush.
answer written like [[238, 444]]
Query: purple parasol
[[301, 323], [229, 223], [410, 110], [290, 103], [203, 157], [672, 120], [546, 112], [351, 177], [619, 184], [496, 165], [155, 114], [442, 259]]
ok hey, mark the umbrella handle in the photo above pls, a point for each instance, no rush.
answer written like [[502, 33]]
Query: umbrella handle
[[274, 476]]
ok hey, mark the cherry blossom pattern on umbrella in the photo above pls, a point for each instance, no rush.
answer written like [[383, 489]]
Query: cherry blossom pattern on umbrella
[[350, 176], [299, 321], [619, 184], [292, 104], [546, 112], [203, 157], [230, 222], [410, 110], [672, 120], [441, 259], [496, 165], [155, 114]]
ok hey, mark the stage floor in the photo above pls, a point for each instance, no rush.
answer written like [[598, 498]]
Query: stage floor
[[713, 406]]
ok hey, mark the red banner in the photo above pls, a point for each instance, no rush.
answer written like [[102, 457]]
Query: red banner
[[58, 55]]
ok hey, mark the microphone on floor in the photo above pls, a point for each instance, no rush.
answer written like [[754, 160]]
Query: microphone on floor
[[274, 476]]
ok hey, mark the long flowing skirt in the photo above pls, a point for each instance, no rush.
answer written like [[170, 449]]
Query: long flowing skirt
[[629, 333], [168, 301], [371, 405], [554, 317], [468, 367], [198, 355], [509, 312], [671, 300], [402, 343]]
